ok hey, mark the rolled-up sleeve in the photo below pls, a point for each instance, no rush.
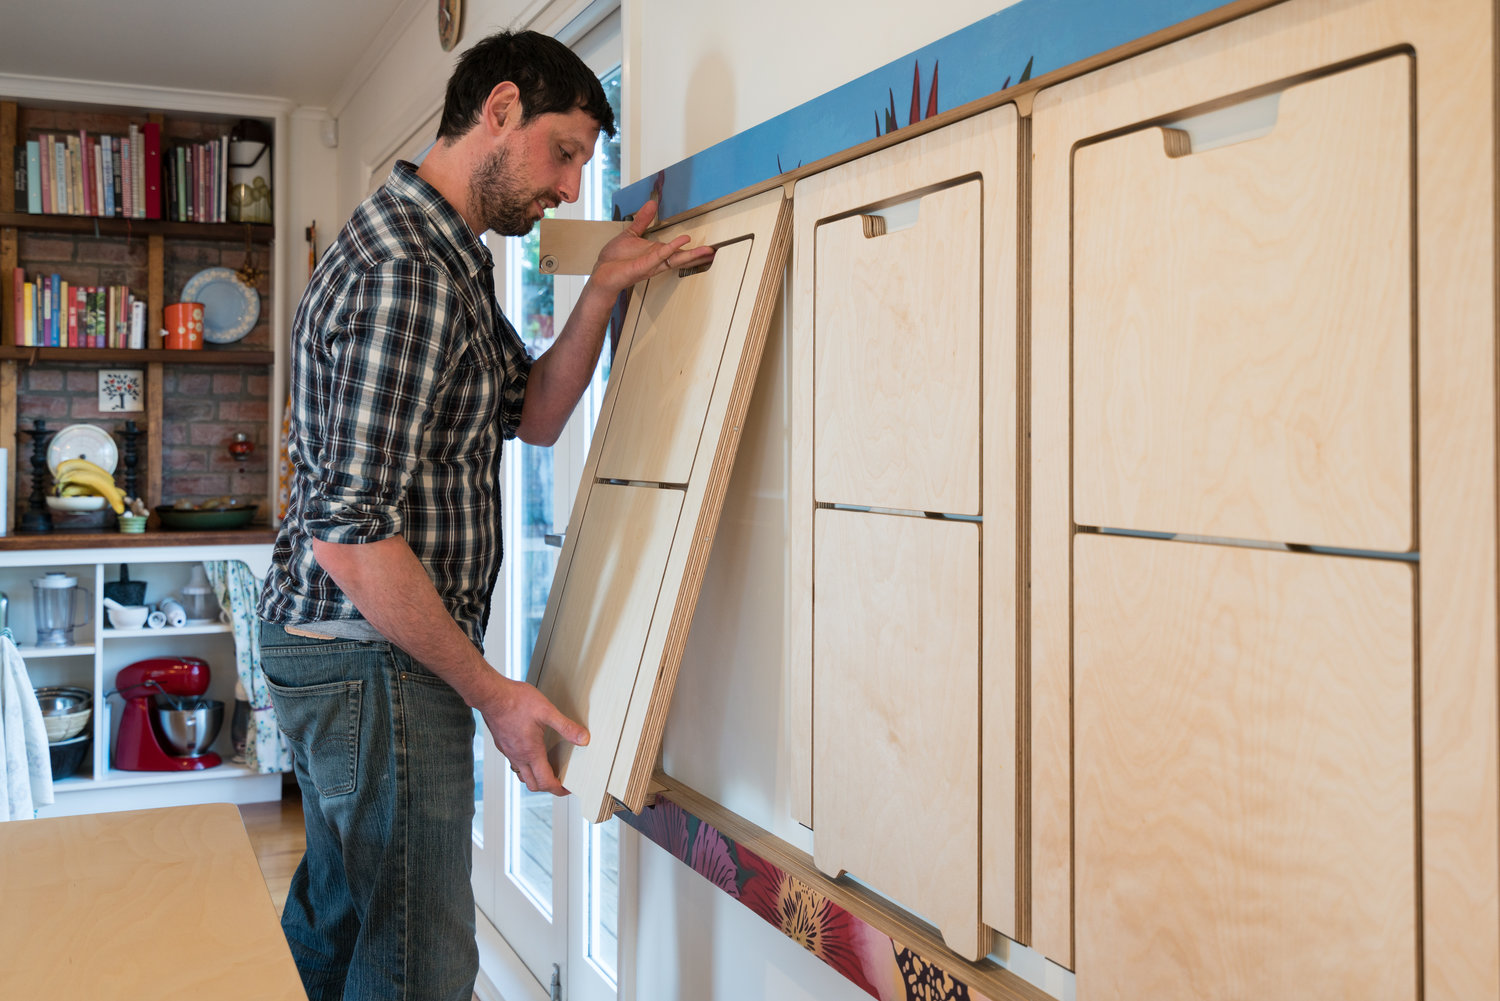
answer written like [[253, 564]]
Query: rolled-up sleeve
[[382, 361]]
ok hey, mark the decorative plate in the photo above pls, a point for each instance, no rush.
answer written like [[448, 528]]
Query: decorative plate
[[230, 307], [83, 441]]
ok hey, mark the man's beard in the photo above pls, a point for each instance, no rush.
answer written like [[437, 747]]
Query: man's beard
[[498, 200]]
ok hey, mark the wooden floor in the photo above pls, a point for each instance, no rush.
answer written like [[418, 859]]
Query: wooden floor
[[277, 835]]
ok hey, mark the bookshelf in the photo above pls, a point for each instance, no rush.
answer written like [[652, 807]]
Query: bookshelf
[[154, 254]]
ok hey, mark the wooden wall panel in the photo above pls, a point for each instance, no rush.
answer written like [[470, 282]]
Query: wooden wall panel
[[628, 577], [896, 713], [594, 651], [984, 148], [896, 373], [1452, 46], [682, 326], [1242, 328], [1245, 785]]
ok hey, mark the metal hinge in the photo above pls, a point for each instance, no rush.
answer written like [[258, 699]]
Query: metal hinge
[[556, 992]]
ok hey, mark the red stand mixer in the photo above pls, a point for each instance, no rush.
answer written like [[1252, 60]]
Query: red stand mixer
[[167, 725]]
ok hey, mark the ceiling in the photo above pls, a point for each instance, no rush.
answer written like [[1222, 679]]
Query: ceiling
[[303, 51]]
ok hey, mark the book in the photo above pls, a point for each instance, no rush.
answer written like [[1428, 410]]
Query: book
[[106, 171], [85, 172], [151, 169], [18, 184], [70, 297], [54, 166], [74, 179], [126, 200], [18, 299], [29, 294], [43, 185], [114, 152], [98, 165], [137, 324], [138, 176]]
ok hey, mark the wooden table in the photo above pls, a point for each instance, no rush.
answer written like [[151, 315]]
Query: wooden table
[[160, 904]]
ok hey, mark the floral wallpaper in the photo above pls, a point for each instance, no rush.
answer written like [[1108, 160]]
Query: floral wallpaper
[[866, 956]]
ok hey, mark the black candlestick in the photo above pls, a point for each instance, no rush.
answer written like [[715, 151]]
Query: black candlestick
[[36, 518], [130, 433]]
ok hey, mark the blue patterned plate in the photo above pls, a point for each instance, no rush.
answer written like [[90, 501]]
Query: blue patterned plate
[[230, 307]]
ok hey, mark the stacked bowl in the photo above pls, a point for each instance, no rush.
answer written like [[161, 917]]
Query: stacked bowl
[[66, 711]]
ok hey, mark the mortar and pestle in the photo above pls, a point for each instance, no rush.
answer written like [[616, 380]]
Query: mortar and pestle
[[125, 590]]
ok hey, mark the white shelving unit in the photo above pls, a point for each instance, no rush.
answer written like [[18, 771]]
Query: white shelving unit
[[99, 652]]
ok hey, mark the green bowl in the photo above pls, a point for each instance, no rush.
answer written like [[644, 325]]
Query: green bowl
[[197, 521]]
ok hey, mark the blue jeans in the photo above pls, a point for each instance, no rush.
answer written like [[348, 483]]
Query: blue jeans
[[380, 906]]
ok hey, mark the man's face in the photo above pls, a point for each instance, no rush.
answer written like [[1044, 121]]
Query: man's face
[[533, 167]]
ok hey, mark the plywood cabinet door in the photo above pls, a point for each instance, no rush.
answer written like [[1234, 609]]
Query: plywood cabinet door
[[896, 374], [1245, 773], [904, 398], [628, 578], [1242, 328], [1286, 333], [896, 717]]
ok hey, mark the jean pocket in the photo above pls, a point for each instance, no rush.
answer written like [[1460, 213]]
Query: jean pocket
[[322, 721]]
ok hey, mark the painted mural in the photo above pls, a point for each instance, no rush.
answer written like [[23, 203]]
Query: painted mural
[[1026, 39], [867, 957]]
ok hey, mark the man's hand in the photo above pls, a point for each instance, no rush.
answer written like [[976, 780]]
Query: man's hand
[[518, 717], [630, 257]]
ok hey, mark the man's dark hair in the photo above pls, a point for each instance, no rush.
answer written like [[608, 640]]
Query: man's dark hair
[[550, 76]]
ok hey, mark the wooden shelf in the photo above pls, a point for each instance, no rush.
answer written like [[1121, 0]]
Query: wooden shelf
[[110, 226], [123, 540], [140, 356]]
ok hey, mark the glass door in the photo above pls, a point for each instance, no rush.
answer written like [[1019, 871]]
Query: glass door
[[547, 880]]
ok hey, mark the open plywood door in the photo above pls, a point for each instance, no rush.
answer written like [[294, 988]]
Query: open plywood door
[[643, 522]]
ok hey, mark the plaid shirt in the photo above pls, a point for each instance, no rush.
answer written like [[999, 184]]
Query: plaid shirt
[[406, 377]]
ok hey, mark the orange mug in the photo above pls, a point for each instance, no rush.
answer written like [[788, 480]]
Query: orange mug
[[184, 321]]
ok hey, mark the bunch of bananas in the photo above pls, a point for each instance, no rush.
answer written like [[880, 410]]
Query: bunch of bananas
[[80, 477]]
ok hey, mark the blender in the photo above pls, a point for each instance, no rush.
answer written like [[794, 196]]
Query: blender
[[56, 608]]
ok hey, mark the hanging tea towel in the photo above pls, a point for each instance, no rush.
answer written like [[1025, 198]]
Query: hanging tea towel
[[27, 764]]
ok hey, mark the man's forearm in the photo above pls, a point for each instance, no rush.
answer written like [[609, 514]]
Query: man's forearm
[[392, 591], [559, 377]]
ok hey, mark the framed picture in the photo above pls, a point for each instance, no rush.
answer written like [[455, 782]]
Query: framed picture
[[120, 390]]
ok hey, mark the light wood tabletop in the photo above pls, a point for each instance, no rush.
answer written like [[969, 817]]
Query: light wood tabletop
[[160, 904]]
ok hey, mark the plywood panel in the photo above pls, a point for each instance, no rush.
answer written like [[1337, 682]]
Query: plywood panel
[[594, 651], [1242, 326], [668, 377], [984, 147], [897, 345], [1246, 774], [648, 599], [1453, 47], [896, 713]]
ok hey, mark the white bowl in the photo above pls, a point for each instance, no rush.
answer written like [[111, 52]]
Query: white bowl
[[128, 616], [83, 502]]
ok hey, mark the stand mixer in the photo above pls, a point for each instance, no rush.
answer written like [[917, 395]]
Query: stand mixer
[[166, 726]]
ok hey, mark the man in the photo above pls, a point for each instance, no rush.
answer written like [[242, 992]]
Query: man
[[405, 379]]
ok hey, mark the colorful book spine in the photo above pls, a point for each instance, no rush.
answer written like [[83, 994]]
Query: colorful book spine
[[151, 168], [138, 176], [106, 172], [127, 201], [33, 177], [29, 338], [44, 173], [97, 161], [18, 304], [114, 148], [74, 176]]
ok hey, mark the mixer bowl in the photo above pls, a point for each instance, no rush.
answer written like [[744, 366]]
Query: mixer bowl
[[188, 732]]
